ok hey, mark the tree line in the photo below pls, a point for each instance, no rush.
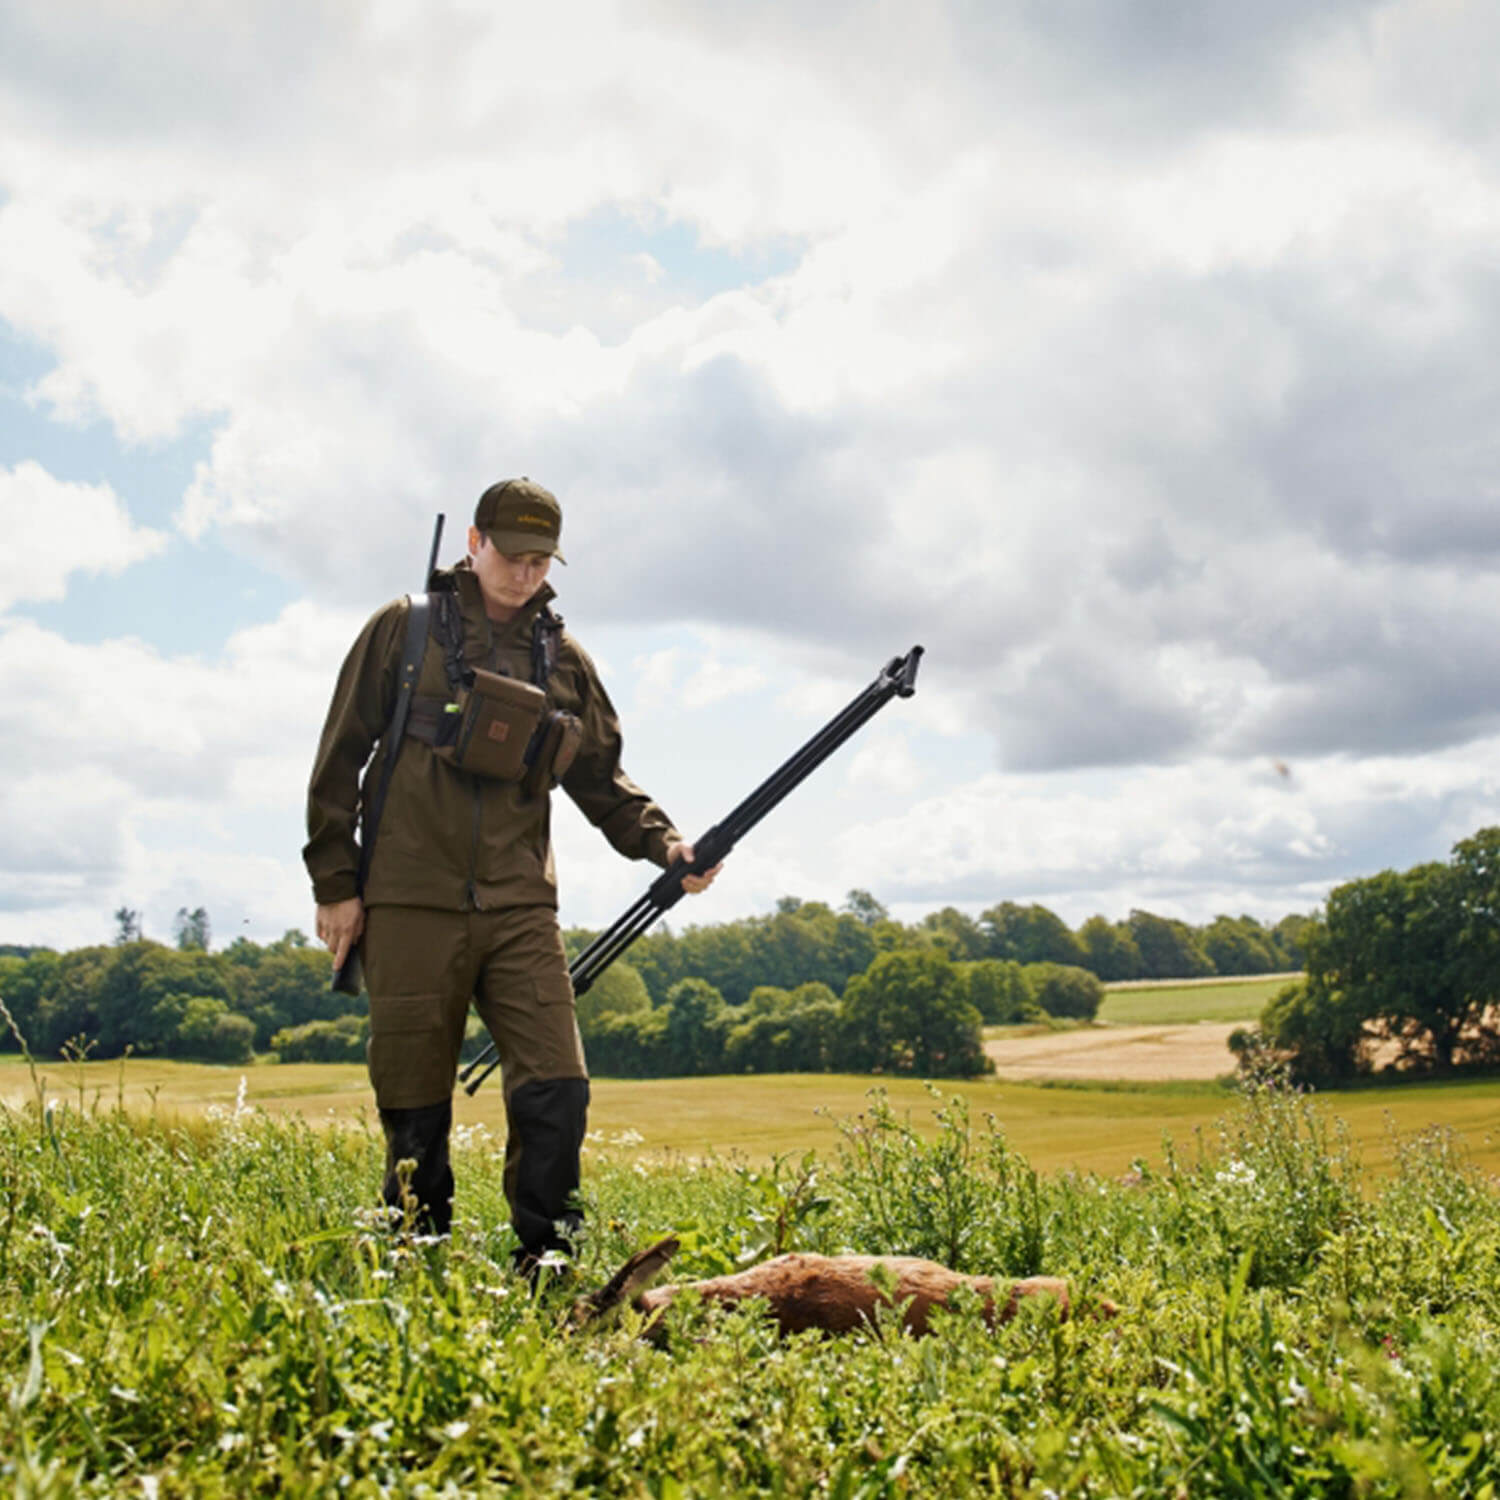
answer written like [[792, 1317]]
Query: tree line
[[158, 1001], [803, 941], [1403, 965], [911, 1009], [804, 987]]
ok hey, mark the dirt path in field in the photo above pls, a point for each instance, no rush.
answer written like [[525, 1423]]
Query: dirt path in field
[[1196, 1049]]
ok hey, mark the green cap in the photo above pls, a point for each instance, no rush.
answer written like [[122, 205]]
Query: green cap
[[520, 516]]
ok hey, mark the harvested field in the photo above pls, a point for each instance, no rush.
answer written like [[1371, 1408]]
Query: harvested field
[[1136, 1054]]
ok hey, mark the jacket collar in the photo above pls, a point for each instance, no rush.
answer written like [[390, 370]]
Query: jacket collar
[[471, 603]]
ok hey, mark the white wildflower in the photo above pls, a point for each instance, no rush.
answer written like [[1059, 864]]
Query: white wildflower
[[1236, 1173]]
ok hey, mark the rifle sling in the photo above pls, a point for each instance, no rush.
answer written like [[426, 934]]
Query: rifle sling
[[411, 665]]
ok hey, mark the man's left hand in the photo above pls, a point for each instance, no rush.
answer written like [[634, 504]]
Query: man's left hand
[[692, 884]]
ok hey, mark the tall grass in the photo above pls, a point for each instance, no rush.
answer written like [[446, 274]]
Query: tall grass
[[214, 1309]]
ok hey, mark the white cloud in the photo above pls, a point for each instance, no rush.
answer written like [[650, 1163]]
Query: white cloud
[[1187, 840], [886, 765], [54, 530], [134, 776], [1140, 367], [714, 680], [656, 678]]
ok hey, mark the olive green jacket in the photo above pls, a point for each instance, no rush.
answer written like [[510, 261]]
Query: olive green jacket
[[447, 838]]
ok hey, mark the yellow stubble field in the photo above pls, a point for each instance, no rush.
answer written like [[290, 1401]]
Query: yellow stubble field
[[1092, 1125]]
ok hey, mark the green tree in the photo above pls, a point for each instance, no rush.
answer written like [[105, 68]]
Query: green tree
[[288, 986], [192, 928], [907, 1014], [889, 935], [783, 1031], [619, 991], [721, 955], [71, 1003], [805, 941], [955, 933], [1065, 990], [340, 1040], [12, 967], [140, 999], [211, 1032], [1316, 1030], [694, 1037], [658, 959], [1240, 945], [22, 989], [1289, 934], [1413, 953], [632, 1045], [997, 989], [1109, 949], [1391, 946], [127, 925], [1169, 949], [1029, 935], [1476, 890], [864, 908]]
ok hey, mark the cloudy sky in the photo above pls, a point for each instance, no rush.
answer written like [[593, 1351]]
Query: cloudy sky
[[1138, 359]]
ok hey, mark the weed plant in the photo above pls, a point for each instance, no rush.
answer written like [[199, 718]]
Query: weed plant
[[215, 1309]]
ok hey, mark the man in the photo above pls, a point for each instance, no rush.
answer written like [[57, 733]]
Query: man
[[459, 901]]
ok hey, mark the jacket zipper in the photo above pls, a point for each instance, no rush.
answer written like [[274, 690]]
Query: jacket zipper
[[473, 893], [491, 655], [474, 848]]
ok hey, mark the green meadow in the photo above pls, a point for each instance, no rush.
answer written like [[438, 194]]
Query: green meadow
[[197, 1300], [1138, 1003]]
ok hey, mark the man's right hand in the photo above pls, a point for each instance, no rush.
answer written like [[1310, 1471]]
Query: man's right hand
[[339, 927]]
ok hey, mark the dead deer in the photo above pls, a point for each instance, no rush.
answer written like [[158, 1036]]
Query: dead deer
[[834, 1293]]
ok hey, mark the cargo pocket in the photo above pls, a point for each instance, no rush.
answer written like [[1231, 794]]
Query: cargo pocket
[[411, 1056], [551, 1047]]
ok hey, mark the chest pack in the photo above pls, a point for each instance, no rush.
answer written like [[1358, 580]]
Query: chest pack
[[491, 724]]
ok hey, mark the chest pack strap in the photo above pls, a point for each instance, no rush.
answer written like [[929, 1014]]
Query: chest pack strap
[[406, 682], [545, 637], [448, 631]]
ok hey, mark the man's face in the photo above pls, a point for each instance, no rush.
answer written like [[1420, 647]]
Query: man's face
[[509, 579]]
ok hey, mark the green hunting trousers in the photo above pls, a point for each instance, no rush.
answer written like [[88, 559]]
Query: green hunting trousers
[[423, 969]]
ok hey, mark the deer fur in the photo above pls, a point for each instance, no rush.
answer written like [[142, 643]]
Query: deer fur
[[833, 1293]]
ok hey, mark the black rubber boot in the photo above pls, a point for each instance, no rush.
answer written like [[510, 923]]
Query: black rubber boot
[[420, 1135], [547, 1122]]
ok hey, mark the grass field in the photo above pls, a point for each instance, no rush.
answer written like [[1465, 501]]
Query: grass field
[[1096, 1127], [1174, 1002], [209, 1308]]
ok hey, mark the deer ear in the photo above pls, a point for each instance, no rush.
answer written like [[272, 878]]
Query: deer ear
[[644, 1267], [639, 1271]]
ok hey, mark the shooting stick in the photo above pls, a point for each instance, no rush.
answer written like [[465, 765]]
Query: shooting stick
[[897, 679]]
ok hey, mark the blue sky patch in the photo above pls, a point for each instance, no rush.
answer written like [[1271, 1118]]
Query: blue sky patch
[[191, 597], [603, 247]]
